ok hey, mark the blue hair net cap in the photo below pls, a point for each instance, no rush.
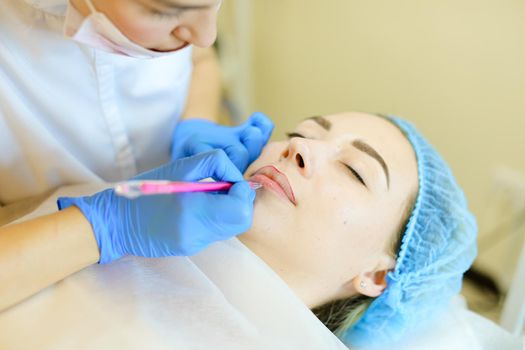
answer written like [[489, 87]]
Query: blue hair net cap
[[438, 246]]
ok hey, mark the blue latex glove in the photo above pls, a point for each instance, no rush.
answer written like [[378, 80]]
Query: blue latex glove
[[243, 143], [167, 225]]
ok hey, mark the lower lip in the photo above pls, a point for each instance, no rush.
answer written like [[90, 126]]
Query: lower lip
[[269, 184]]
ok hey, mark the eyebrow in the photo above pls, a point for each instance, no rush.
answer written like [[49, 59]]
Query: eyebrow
[[366, 148], [323, 122], [175, 5]]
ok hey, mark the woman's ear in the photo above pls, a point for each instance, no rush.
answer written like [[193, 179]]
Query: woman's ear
[[373, 283]]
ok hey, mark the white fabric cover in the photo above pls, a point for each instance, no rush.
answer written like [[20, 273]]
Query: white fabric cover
[[223, 298]]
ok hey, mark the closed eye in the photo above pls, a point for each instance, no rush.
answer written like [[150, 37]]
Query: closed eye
[[164, 15], [294, 134], [356, 174]]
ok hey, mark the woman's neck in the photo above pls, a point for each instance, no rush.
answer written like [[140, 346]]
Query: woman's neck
[[312, 292]]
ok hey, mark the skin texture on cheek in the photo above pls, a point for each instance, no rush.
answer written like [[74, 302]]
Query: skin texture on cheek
[[144, 32], [321, 244], [141, 27], [303, 235]]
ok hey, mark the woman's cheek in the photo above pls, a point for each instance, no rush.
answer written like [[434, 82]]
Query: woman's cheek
[[145, 33], [141, 28]]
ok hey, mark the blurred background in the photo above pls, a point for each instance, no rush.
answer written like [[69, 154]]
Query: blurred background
[[456, 68]]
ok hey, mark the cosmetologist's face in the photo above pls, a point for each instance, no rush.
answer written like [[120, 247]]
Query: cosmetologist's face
[[332, 203], [161, 25]]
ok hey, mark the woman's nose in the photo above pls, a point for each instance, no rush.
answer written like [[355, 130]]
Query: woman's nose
[[300, 154], [200, 29]]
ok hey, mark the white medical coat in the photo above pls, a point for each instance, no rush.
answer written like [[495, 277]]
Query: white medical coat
[[71, 114]]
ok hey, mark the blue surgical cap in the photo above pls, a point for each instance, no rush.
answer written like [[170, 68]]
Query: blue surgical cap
[[437, 247]]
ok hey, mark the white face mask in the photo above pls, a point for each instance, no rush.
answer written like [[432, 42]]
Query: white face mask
[[97, 31]]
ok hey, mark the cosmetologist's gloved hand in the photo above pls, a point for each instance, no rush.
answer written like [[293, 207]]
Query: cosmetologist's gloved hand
[[174, 224], [243, 143]]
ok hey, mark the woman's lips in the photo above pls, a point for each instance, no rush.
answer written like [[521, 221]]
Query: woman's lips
[[172, 50], [271, 178]]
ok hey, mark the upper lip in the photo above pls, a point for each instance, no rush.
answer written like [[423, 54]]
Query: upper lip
[[180, 47], [280, 178]]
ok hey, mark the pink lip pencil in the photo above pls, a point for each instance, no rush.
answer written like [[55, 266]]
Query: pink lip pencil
[[134, 189]]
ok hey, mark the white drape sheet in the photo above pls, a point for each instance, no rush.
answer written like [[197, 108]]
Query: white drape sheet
[[223, 298]]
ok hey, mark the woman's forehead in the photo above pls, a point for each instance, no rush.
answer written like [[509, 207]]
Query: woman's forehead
[[355, 125], [365, 124]]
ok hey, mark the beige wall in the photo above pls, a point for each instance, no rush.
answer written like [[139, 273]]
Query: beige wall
[[454, 67]]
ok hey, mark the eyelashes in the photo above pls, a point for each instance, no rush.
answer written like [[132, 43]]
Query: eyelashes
[[356, 174], [294, 134], [164, 15], [352, 170]]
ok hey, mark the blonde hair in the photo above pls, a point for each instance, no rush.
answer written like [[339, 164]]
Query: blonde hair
[[340, 315]]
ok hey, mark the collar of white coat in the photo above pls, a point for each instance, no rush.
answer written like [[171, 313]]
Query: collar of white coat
[[54, 7]]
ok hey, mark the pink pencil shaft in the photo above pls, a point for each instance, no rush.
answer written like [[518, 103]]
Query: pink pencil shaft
[[134, 189], [179, 187]]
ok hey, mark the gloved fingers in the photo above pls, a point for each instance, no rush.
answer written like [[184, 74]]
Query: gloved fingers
[[233, 212], [263, 123], [194, 147], [186, 131], [238, 154], [252, 139], [254, 134], [193, 124], [214, 164], [242, 191]]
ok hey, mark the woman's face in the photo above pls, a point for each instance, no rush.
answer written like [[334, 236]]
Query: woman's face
[[161, 25], [333, 200]]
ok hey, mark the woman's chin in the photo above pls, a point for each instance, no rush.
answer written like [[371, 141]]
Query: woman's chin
[[269, 221]]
